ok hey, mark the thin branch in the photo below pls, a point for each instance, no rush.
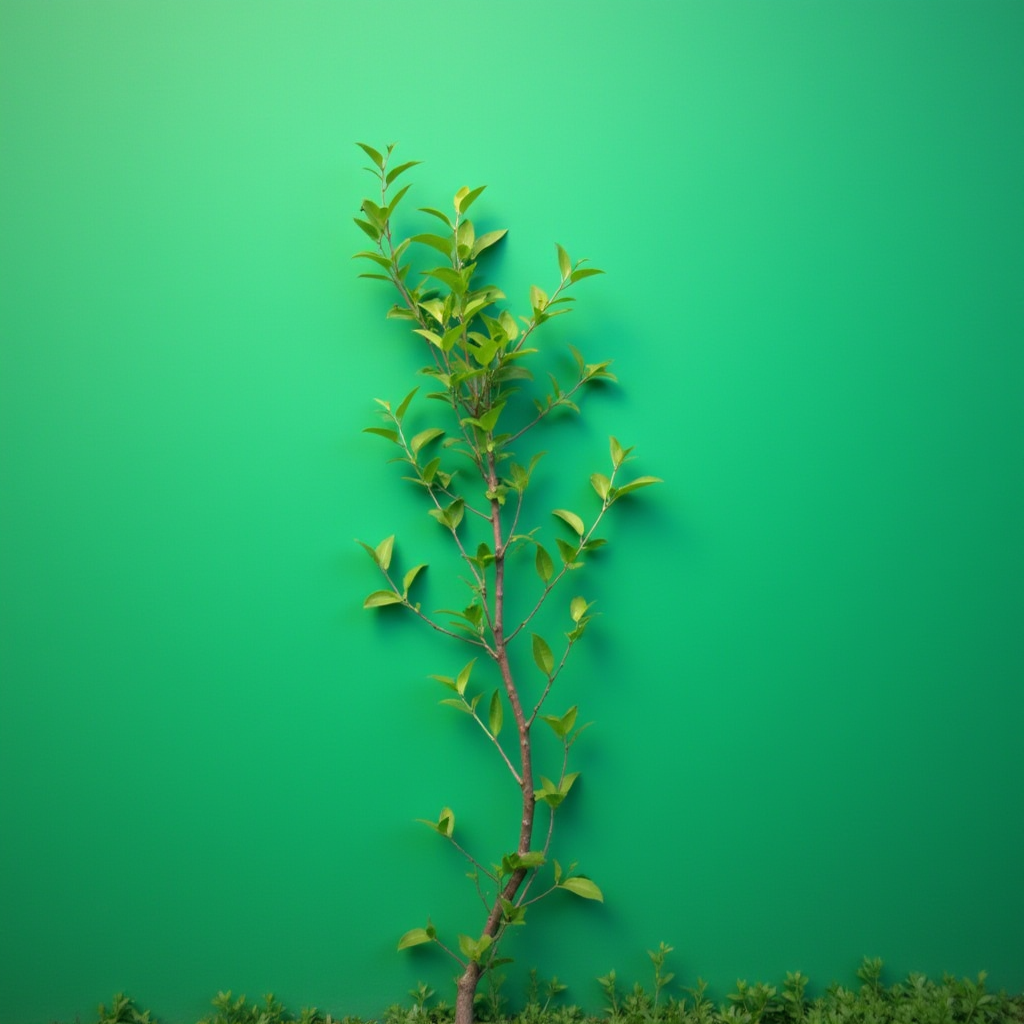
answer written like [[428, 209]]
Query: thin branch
[[430, 622], [551, 680], [472, 860], [583, 541], [501, 749], [458, 959], [549, 409]]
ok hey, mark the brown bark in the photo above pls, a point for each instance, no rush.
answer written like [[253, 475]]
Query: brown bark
[[470, 978]]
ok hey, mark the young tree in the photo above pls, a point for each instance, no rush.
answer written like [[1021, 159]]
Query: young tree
[[488, 407]]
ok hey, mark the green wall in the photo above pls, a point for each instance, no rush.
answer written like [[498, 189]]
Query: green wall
[[807, 680]]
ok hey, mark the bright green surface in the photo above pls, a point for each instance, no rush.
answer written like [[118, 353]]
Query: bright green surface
[[808, 681]]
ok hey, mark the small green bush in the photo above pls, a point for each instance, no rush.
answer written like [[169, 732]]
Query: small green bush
[[916, 1000]]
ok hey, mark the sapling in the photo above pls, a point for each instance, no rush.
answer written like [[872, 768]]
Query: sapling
[[468, 468]]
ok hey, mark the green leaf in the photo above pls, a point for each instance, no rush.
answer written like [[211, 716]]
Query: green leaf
[[618, 452], [372, 231], [380, 598], [485, 350], [562, 726], [568, 553], [485, 241], [391, 435], [601, 484], [489, 420], [435, 213], [514, 916], [450, 516], [564, 263], [538, 298], [451, 337], [440, 242], [548, 793], [446, 822], [554, 795], [452, 278], [582, 272], [404, 404], [411, 575], [635, 485], [376, 257], [372, 154], [400, 169], [396, 199], [582, 887], [370, 551], [484, 555], [508, 323], [414, 937], [423, 438], [430, 336], [435, 307], [465, 198], [496, 716], [463, 677], [377, 215], [571, 518], [464, 239], [542, 655], [455, 512], [545, 567], [474, 949], [578, 608], [384, 550]]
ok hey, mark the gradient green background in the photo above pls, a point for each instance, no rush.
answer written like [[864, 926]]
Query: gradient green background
[[807, 682]]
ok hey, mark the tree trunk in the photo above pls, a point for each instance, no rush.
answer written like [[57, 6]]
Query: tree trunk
[[467, 993], [470, 977]]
